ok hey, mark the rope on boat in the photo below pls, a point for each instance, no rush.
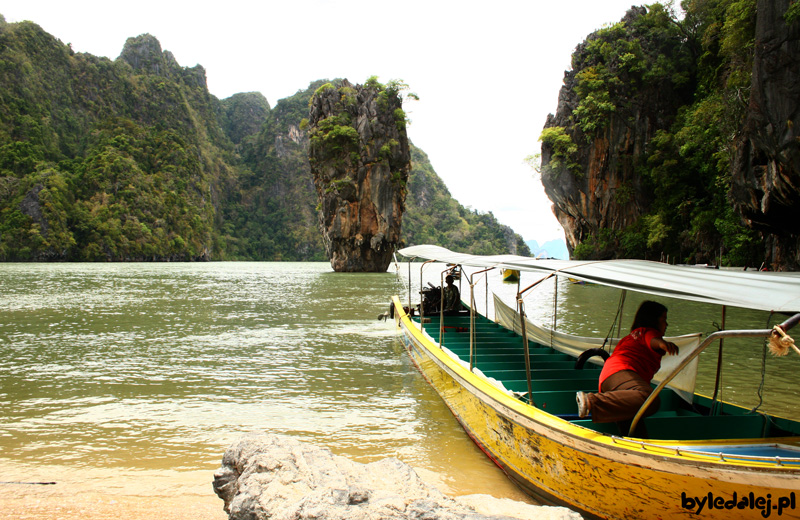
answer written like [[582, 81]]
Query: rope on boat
[[780, 342]]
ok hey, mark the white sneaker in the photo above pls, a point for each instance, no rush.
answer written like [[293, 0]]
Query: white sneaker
[[583, 404]]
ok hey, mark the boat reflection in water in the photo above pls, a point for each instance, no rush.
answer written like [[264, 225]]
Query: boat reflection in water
[[512, 385]]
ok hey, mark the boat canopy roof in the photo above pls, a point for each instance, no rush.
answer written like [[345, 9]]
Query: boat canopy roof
[[767, 291]]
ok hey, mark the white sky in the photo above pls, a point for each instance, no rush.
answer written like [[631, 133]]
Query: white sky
[[487, 73]]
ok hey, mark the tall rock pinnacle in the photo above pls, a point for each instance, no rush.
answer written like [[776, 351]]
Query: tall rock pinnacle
[[360, 160]]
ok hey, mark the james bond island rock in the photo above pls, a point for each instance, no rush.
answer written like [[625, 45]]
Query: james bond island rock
[[271, 476], [766, 174], [360, 161]]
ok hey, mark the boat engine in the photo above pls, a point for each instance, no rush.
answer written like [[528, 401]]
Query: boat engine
[[431, 296]]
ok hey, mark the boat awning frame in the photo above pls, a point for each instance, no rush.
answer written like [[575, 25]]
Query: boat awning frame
[[766, 291]]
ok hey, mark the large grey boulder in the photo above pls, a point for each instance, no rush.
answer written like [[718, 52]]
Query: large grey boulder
[[266, 476]]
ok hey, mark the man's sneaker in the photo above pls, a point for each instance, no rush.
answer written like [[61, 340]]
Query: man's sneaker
[[583, 404]]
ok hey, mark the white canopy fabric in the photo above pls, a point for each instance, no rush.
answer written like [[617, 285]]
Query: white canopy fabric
[[683, 383], [766, 291]]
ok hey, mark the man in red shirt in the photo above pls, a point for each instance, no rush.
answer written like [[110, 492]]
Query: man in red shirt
[[625, 379]]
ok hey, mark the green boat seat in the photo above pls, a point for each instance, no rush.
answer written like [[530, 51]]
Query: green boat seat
[[710, 427]]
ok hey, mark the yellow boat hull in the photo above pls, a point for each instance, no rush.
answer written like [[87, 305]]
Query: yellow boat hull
[[596, 474]]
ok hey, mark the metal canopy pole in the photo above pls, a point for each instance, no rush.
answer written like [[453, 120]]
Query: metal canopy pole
[[719, 365], [441, 308], [486, 288], [555, 308], [621, 312], [524, 332], [520, 305], [472, 339], [409, 285], [421, 302]]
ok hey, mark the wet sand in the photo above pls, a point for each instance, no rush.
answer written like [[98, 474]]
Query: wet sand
[[104, 494], [100, 507]]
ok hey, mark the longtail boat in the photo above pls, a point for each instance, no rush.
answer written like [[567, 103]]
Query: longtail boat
[[512, 385], [511, 275]]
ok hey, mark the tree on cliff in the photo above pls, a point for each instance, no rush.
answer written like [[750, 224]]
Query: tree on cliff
[[97, 160], [639, 158]]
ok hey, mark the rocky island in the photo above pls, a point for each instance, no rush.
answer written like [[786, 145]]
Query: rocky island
[[133, 159], [360, 160]]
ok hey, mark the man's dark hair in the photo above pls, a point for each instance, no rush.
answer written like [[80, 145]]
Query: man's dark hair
[[648, 314]]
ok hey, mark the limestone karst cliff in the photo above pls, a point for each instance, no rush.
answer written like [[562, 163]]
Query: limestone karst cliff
[[766, 173], [594, 146], [674, 137], [360, 160]]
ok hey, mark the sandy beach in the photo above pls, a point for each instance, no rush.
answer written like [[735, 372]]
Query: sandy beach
[[104, 494], [31, 506]]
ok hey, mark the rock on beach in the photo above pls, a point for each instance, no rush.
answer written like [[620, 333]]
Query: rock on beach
[[266, 476]]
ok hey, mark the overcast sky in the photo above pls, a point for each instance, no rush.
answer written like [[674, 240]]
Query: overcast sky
[[487, 73]]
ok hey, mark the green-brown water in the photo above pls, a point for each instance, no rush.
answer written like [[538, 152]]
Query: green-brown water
[[109, 371], [114, 371]]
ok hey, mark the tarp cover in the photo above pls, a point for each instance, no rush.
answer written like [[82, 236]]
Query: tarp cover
[[683, 383], [767, 291]]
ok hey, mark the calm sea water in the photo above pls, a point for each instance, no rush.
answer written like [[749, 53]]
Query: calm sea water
[[110, 370], [154, 369]]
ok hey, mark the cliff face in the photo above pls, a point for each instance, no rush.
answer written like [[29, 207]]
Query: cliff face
[[607, 193], [143, 53], [766, 173], [243, 115], [596, 184], [675, 138], [360, 160]]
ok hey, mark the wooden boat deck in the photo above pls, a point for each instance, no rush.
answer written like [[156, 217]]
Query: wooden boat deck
[[499, 354]]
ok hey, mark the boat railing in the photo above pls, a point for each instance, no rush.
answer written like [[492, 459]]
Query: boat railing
[[711, 338], [720, 455]]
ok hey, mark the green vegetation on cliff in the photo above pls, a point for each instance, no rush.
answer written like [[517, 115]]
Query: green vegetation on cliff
[[678, 89], [133, 159], [689, 164], [98, 161]]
